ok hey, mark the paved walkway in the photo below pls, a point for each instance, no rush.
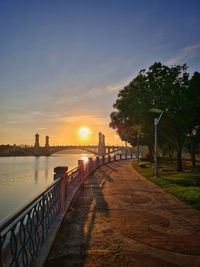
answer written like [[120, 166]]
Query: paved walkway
[[121, 219]]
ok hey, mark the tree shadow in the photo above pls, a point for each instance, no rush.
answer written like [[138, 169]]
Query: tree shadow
[[106, 175], [73, 239], [114, 164]]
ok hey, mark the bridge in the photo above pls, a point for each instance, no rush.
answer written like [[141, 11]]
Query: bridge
[[101, 149]]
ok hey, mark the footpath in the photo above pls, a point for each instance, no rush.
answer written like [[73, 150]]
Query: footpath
[[120, 219]]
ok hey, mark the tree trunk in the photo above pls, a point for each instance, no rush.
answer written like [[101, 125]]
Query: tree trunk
[[193, 159], [151, 152], [179, 159], [192, 152], [170, 155]]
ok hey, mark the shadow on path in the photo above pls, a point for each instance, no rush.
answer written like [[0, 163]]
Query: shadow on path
[[120, 219], [73, 239]]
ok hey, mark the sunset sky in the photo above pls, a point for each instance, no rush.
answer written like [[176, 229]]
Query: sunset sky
[[62, 63]]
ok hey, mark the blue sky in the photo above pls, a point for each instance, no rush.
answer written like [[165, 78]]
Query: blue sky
[[63, 62]]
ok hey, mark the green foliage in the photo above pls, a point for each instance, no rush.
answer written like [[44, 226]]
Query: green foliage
[[185, 185], [169, 89]]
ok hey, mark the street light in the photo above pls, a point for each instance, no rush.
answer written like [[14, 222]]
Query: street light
[[138, 149], [156, 121]]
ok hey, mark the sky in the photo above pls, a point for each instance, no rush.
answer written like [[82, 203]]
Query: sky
[[62, 63]]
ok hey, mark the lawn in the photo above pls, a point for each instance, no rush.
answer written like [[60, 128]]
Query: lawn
[[185, 185]]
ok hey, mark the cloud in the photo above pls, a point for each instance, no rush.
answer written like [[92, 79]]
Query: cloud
[[64, 111], [72, 98], [98, 120], [117, 86], [185, 54], [28, 117], [108, 89]]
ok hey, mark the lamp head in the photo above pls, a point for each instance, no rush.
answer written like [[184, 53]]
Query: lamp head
[[156, 110]]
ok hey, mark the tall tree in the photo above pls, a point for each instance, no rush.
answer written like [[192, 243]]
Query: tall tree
[[192, 115], [163, 87]]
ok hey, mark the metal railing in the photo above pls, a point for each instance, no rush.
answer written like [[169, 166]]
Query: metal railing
[[23, 234]]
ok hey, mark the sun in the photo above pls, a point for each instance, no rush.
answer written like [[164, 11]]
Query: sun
[[84, 132]]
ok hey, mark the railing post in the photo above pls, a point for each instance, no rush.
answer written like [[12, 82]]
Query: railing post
[[103, 160], [97, 162], [126, 156], [60, 172], [120, 156], [81, 169], [90, 162], [114, 157], [109, 158]]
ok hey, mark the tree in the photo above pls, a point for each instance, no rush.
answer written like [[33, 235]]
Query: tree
[[163, 87], [192, 115], [132, 117]]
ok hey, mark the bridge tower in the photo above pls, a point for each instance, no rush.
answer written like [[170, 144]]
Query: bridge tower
[[47, 145], [36, 150], [101, 144], [100, 138]]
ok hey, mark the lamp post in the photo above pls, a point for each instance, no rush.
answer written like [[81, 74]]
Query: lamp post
[[138, 149], [156, 121]]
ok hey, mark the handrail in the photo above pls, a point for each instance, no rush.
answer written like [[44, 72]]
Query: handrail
[[72, 170]]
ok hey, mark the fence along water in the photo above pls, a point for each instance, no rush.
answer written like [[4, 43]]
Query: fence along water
[[23, 234]]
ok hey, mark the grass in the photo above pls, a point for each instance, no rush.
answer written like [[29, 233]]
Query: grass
[[184, 185]]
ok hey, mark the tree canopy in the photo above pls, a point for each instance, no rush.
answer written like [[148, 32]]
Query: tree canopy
[[166, 88]]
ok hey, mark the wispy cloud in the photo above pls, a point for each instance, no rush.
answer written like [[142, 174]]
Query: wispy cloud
[[98, 120], [107, 89], [117, 86], [100, 91], [28, 117], [185, 54], [64, 111]]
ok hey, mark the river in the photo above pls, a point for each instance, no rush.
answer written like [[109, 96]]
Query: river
[[22, 178]]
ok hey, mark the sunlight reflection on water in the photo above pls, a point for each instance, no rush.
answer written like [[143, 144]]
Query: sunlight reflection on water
[[84, 157]]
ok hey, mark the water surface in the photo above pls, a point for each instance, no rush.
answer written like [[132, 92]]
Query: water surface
[[22, 178]]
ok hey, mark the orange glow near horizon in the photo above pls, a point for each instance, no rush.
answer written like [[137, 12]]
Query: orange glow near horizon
[[65, 132]]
